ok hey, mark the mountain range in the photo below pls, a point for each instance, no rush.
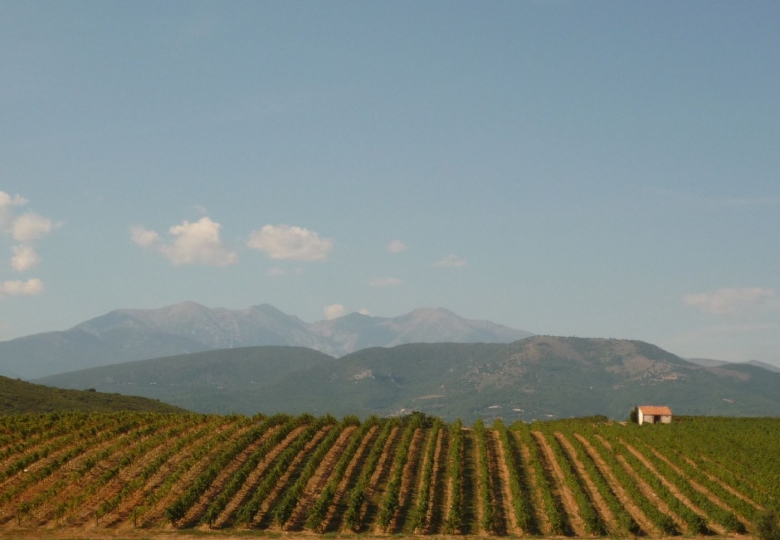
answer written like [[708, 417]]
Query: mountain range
[[135, 334], [708, 362], [539, 377]]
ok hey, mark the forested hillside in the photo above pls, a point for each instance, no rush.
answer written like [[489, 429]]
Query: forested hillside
[[540, 377], [18, 397], [415, 474]]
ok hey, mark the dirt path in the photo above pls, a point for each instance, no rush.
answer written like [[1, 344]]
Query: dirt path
[[744, 480], [371, 505], [714, 499], [24, 445], [540, 516], [129, 508], [601, 505], [115, 485], [472, 509], [27, 491], [27, 448], [262, 519], [618, 489], [76, 494], [560, 487], [158, 534], [195, 512], [253, 479], [673, 488], [156, 514], [724, 485], [646, 490], [436, 511], [498, 490], [350, 477], [447, 494], [504, 481], [319, 479], [410, 480]]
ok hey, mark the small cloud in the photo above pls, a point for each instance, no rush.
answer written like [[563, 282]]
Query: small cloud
[[729, 301], [6, 203], [293, 243], [200, 209], [31, 287], [274, 272], [30, 226], [193, 243], [396, 246], [365, 312], [334, 311], [24, 258], [144, 237], [385, 282], [451, 261]]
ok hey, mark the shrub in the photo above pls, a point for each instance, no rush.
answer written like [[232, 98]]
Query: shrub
[[768, 526]]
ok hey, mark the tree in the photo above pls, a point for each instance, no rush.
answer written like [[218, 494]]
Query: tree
[[633, 416]]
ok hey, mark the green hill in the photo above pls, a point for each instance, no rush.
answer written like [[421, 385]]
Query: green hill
[[17, 397], [541, 377]]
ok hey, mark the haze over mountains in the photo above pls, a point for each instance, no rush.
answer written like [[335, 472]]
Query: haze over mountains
[[132, 334], [539, 377]]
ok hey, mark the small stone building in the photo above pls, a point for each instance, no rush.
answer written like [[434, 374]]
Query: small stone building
[[651, 414]]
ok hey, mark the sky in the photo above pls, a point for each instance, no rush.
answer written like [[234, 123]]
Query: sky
[[595, 169]]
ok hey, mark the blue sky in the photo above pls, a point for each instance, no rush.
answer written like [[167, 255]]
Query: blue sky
[[605, 169]]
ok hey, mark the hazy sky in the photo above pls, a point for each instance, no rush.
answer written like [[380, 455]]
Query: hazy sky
[[605, 169]]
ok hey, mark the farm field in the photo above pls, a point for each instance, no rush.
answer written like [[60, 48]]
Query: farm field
[[151, 475]]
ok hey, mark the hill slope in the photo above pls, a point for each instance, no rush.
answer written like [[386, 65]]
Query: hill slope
[[536, 378], [18, 397], [132, 334]]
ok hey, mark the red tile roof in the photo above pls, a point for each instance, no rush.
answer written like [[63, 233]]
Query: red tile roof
[[655, 411]]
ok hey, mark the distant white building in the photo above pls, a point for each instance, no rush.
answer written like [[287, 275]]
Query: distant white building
[[651, 414]]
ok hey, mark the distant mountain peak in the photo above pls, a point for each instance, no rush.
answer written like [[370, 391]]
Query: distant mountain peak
[[136, 334]]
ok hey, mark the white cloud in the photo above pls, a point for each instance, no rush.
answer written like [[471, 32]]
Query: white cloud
[[396, 246], [31, 287], [6, 200], [385, 282], [365, 312], [25, 228], [24, 258], [6, 203], [729, 301], [334, 311], [198, 242], [451, 261], [30, 226], [200, 209], [144, 237], [294, 243], [273, 272]]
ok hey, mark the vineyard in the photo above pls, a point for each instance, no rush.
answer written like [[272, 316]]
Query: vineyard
[[410, 475]]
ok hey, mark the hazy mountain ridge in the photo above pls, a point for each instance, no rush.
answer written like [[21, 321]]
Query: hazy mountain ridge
[[708, 362], [125, 335], [535, 378]]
